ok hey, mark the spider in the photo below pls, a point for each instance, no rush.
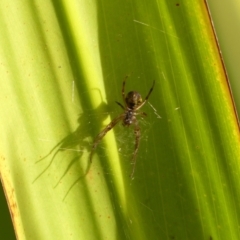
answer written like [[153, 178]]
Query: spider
[[132, 103]]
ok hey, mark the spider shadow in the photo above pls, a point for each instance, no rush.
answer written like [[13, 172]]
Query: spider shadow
[[75, 143]]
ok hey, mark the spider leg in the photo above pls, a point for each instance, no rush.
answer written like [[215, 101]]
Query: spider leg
[[146, 98], [118, 103], [137, 133], [142, 114], [100, 136], [123, 89], [150, 91]]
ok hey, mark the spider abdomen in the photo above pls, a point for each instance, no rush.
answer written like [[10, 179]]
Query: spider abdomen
[[129, 118]]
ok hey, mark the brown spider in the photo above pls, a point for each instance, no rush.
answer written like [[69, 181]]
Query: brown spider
[[132, 103]]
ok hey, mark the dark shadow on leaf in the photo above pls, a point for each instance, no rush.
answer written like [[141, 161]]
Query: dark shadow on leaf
[[74, 145]]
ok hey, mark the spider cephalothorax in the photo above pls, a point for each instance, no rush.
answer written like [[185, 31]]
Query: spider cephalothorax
[[132, 103], [133, 99]]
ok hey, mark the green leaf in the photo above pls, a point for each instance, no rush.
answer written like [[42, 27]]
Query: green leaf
[[62, 67]]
